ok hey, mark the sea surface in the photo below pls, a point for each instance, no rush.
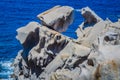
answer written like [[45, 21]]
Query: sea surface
[[17, 13]]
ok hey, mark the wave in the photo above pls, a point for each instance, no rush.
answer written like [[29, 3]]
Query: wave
[[6, 70]]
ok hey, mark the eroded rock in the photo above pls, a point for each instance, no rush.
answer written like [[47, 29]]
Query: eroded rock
[[40, 46], [90, 16], [49, 55], [69, 58], [58, 18], [50, 44]]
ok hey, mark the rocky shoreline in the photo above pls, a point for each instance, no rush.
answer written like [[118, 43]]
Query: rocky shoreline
[[49, 55]]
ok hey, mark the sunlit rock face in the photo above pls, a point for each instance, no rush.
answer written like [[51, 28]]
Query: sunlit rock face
[[28, 36], [90, 16], [90, 20], [40, 46], [50, 44], [77, 61], [28, 33], [57, 18], [49, 55]]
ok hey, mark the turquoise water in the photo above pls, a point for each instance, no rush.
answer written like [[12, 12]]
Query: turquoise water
[[17, 13]]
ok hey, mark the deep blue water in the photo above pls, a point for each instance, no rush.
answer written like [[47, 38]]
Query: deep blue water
[[17, 13]]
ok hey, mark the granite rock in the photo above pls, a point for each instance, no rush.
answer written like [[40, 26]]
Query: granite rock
[[58, 18], [90, 16], [49, 55]]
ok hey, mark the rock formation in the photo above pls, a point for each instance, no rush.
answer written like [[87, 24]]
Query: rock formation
[[49, 55], [90, 16], [57, 18]]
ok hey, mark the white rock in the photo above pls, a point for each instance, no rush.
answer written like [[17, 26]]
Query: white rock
[[49, 55], [23, 32], [90, 15], [91, 18], [57, 18]]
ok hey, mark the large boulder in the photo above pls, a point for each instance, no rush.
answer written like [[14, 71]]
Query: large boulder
[[40, 47], [50, 44], [68, 58], [57, 18], [90, 19], [90, 16], [29, 34]]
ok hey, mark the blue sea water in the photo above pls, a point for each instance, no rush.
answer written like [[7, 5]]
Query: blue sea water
[[17, 13]]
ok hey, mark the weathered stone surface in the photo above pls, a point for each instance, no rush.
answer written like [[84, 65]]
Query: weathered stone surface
[[50, 44], [40, 46], [106, 63], [89, 37], [49, 55], [90, 16], [102, 62], [28, 37], [69, 58], [29, 31], [57, 18]]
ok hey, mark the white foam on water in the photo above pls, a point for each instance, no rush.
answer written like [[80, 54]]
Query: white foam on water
[[6, 70]]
